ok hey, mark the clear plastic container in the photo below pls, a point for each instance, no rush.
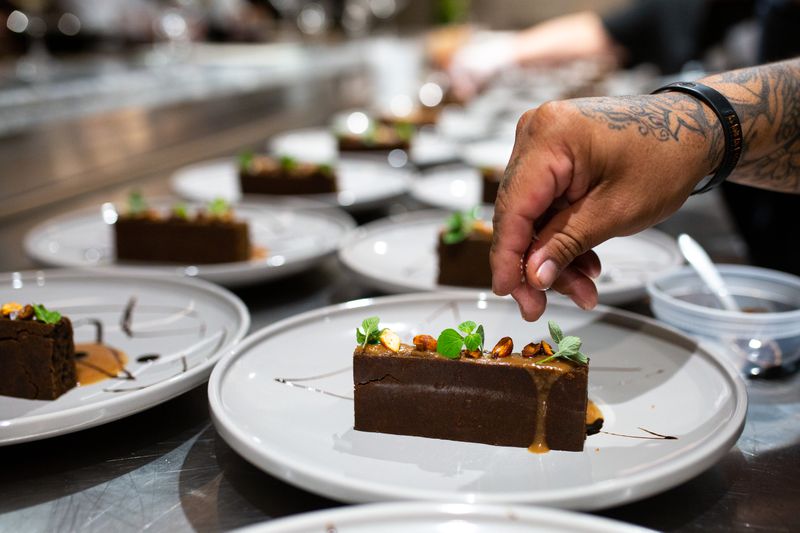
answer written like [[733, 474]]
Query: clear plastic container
[[765, 336]]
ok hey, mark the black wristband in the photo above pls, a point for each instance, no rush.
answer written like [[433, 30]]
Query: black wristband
[[731, 127]]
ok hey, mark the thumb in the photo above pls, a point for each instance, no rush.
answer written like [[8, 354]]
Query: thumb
[[570, 233]]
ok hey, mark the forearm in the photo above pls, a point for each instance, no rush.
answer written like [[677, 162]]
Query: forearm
[[767, 100], [576, 36]]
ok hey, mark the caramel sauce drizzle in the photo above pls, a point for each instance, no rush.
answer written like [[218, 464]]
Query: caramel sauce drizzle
[[544, 376], [97, 362]]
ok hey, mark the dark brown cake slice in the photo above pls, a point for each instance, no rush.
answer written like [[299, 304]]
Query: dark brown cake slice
[[37, 353], [465, 262], [211, 235], [378, 138], [498, 397], [490, 179], [261, 174]]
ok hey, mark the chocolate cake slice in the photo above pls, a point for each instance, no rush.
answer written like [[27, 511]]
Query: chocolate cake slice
[[490, 179], [528, 399], [260, 174], [211, 235], [463, 252], [378, 138], [37, 353]]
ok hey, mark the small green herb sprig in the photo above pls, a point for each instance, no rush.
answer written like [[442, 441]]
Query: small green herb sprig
[[45, 315], [136, 203], [325, 168], [179, 210], [404, 130], [369, 332], [459, 225], [288, 163], [218, 207], [569, 347], [450, 341], [246, 159]]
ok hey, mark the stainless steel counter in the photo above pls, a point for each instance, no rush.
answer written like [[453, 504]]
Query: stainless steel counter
[[166, 469]]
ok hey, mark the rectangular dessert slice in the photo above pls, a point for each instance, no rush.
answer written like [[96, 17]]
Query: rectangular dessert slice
[[490, 179], [465, 263], [378, 138], [37, 355], [267, 175], [208, 236], [507, 401]]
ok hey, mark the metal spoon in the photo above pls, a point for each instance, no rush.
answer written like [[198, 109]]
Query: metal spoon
[[702, 264]]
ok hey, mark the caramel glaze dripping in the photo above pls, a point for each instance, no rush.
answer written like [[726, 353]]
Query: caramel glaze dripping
[[96, 362], [544, 376], [594, 418]]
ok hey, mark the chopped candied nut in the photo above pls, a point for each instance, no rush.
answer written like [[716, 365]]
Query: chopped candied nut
[[425, 343], [26, 313], [532, 349], [548, 350], [11, 307], [472, 354], [390, 339], [503, 348], [482, 228]]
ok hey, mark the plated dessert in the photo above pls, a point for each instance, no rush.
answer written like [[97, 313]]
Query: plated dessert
[[377, 137], [463, 251], [453, 388], [490, 180], [262, 174], [37, 352], [208, 235]]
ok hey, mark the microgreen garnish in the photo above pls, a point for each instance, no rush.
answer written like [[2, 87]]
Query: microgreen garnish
[[179, 210], [325, 168], [218, 207], [459, 225], [136, 203], [246, 159], [450, 341], [404, 130], [569, 347], [288, 163], [369, 332], [44, 315]]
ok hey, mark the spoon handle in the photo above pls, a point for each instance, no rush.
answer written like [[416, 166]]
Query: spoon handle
[[705, 268]]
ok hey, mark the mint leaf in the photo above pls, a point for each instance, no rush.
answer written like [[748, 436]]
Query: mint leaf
[[44, 315], [480, 333], [457, 227], [449, 343], [179, 210], [569, 345], [360, 337], [136, 203], [246, 159], [555, 331], [473, 342], [288, 163], [404, 130], [467, 326], [453, 237], [218, 207], [369, 331], [579, 358], [325, 168]]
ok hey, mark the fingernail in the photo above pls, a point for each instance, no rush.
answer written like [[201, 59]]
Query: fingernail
[[546, 274]]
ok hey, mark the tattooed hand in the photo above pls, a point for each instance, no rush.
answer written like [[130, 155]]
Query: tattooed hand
[[583, 171]]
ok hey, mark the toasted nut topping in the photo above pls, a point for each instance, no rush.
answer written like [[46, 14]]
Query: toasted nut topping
[[532, 349], [425, 343], [11, 307], [26, 313], [472, 354], [482, 228], [503, 348], [548, 350], [390, 339]]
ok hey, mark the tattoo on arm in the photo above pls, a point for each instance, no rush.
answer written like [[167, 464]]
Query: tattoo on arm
[[665, 117]]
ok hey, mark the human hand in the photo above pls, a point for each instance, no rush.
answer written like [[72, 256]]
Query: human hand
[[583, 171]]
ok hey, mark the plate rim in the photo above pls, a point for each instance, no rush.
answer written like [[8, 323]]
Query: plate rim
[[228, 274], [594, 496], [373, 512], [614, 293], [152, 395]]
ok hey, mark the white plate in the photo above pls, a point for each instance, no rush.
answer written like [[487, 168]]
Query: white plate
[[363, 183], [489, 153], [453, 187], [642, 375], [189, 323], [443, 518], [319, 144], [398, 254], [295, 239]]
